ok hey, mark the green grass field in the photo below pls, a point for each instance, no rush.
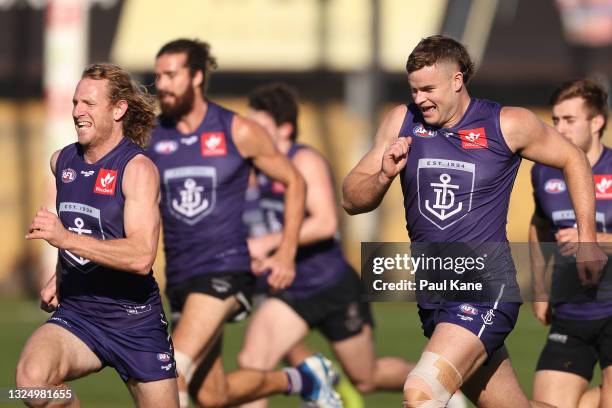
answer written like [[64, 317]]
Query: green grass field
[[398, 333]]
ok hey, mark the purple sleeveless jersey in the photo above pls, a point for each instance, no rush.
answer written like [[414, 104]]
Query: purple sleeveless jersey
[[456, 185], [553, 203], [90, 202], [457, 181], [318, 266], [203, 183]]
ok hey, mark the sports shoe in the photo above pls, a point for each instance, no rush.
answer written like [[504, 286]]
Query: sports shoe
[[320, 370]]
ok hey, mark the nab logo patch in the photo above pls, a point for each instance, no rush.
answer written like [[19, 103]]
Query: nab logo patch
[[213, 144], [555, 186], [474, 139], [105, 183], [603, 186], [68, 175], [420, 131], [166, 146]]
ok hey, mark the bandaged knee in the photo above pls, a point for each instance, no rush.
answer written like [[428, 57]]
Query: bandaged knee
[[184, 365], [440, 377]]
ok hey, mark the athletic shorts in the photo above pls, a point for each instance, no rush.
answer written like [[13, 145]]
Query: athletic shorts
[[218, 285], [492, 322], [575, 346], [142, 351], [339, 312]]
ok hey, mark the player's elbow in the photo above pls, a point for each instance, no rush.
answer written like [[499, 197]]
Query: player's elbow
[[351, 208], [141, 265]]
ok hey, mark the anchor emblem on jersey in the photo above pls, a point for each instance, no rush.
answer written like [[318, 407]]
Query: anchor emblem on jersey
[[192, 202], [79, 230], [445, 198], [445, 189], [81, 219], [190, 192]]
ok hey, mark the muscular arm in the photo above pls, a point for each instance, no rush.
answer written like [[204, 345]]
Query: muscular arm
[[253, 142], [136, 252], [536, 141], [367, 183], [321, 221], [539, 232]]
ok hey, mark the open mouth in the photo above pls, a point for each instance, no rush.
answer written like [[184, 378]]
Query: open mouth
[[83, 124], [428, 109]]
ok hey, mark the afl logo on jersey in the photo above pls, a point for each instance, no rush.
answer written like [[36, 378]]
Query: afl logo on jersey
[[420, 131], [68, 175], [555, 186], [166, 146]]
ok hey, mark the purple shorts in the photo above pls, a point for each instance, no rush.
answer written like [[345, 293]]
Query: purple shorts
[[492, 322], [141, 351]]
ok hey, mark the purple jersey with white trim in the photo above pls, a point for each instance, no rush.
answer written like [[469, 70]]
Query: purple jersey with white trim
[[203, 183], [319, 265], [554, 204], [457, 181], [90, 202]]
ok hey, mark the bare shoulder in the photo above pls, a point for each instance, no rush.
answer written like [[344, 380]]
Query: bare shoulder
[[513, 118], [244, 128], [519, 127], [140, 168], [391, 124], [53, 161], [309, 158], [248, 136]]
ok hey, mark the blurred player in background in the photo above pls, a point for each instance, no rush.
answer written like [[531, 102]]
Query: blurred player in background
[[108, 310], [457, 157], [204, 153], [581, 331]]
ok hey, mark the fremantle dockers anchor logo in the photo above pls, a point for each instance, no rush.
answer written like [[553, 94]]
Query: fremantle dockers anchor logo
[[191, 202], [190, 192], [445, 198], [86, 222], [445, 190]]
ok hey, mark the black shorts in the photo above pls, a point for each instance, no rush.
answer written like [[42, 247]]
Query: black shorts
[[575, 346], [339, 312], [218, 285]]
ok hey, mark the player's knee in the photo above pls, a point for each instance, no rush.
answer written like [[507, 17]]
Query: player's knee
[[31, 373], [209, 399], [184, 365], [431, 383], [365, 387], [249, 360], [256, 360]]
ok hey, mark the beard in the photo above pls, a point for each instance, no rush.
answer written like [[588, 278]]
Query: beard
[[181, 106]]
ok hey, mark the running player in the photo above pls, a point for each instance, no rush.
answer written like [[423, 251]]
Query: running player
[[204, 153], [108, 310], [457, 157], [580, 334], [327, 292]]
